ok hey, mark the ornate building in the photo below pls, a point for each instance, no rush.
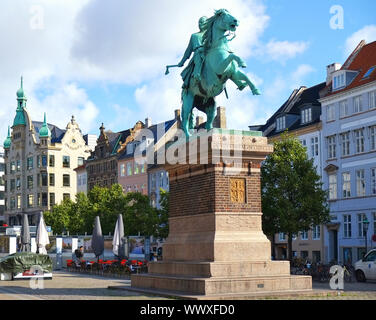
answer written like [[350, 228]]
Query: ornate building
[[39, 164]]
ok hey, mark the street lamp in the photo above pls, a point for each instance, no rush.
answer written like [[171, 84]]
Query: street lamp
[[365, 226]]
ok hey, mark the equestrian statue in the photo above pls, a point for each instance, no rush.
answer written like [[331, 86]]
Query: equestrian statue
[[212, 64]]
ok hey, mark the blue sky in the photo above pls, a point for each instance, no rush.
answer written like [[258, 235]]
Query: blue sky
[[104, 61]]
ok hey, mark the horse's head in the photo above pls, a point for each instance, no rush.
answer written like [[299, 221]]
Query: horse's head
[[225, 21]]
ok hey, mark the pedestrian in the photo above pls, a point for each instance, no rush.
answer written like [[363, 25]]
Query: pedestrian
[[78, 255]]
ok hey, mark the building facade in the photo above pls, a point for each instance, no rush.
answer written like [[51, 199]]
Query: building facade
[[39, 163], [2, 187], [102, 165], [81, 178], [300, 115], [349, 154]]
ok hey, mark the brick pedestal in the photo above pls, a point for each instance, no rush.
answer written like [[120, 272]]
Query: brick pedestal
[[216, 245]]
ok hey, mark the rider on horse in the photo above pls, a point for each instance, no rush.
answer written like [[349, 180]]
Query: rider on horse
[[195, 65]]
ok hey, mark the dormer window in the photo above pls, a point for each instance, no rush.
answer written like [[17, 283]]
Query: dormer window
[[306, 115], [281, 123], [339, 81]]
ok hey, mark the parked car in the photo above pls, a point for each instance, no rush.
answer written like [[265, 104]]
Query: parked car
[[365, 269]]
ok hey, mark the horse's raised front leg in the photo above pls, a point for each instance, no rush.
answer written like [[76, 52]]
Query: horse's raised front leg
[[239, 77], [222, 66], [187, 112]]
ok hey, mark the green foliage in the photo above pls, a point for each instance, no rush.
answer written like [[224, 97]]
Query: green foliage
[[163, 214], [78, 217], [292, 195]]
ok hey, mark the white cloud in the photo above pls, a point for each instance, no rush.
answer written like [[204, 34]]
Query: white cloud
[[367, 33], [283, 50], [121, 41]]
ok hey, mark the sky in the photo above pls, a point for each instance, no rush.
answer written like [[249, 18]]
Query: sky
[[104, 61]]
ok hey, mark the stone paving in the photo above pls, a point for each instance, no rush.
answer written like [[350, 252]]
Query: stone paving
[[76, 286]]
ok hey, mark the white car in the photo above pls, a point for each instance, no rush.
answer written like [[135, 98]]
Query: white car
[[365, 269]]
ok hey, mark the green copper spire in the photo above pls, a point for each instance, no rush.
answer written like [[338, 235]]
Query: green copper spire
[[20, 92], [7, 141], [44, 131], [21, 104]]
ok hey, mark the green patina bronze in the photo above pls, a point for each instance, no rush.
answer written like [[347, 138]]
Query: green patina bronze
[[44, 131], [212, 64], [8, 141], [19, 119]]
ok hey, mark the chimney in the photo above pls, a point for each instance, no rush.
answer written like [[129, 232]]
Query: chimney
[[147, 122], [177, 114], [330, 69], [220, 119], [199, 121]]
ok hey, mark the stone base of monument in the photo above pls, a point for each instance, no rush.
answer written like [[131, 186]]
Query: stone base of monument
[[216, 246]]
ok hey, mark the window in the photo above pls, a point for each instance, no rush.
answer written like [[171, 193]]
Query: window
[[29, 182], [12, 167], [294, 236], [129, 168], [347, 226], [30, 163], [39, 202], [12, 202], [372, 131], [153, 182], [161, 179], [281, 236], [52, 160], [316, 232], [357, 104], [281, 123], [346, 185], [44, 179], [303, 142], [38, 180], [304, 254], [315, 146], [347, 255], [368, 73], [359, 140], [80, 161], [66, 196], [343, 109], [304, 235], [122, 170], [38, 161], [136, 168], [12, 185], [331, 147], [316, 256], [66, 180], [30, 200], [332, 186], [52, 179], [372, 99], [66, 161], [331, 113], [18, 201], [44, 199], [18, 165], [360, 183], [18, 183], [143, 166], [373, 182], [361, 231], [52, 199], [306, 115], [345, 143], [44, 161]]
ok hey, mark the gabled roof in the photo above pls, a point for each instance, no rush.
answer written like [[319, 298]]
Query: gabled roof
[[154, 129], [57, 134], [360, 60], [298, 99]]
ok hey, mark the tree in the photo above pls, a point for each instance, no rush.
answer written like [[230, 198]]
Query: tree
[[139, 215], [292, 196], [59, 217], [163, 214]]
